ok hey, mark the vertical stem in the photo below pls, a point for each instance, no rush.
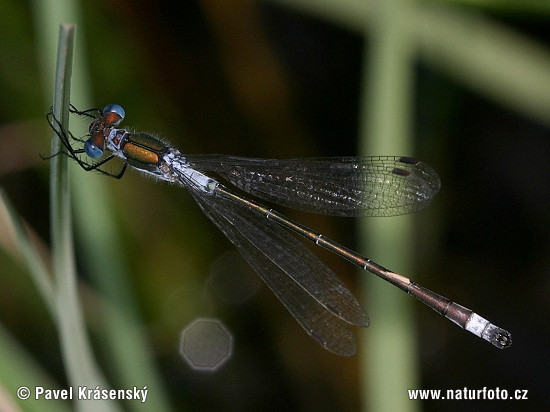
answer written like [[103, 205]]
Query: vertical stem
[[389, 350], [76, 350], [122, 336]]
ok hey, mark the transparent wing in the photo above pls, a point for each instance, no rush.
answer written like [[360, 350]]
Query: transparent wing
[[339, 186], [312, 293]]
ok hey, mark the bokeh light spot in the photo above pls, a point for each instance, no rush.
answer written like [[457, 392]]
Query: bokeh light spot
[[206, 344]]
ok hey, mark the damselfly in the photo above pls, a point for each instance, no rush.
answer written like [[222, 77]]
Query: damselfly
[[340, 186]]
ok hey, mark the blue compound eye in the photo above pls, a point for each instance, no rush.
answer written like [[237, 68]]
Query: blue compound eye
[[92, 150], [114, 109]]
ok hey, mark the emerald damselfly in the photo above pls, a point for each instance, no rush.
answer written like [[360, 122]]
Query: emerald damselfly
[[340, 186]]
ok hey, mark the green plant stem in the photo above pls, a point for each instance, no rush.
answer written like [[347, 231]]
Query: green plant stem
[[389, 351], [19, 369], [30, 256], [120, 334], [77, 355]]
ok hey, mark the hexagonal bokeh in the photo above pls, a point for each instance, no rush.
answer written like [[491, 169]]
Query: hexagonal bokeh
[[206, 344]]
